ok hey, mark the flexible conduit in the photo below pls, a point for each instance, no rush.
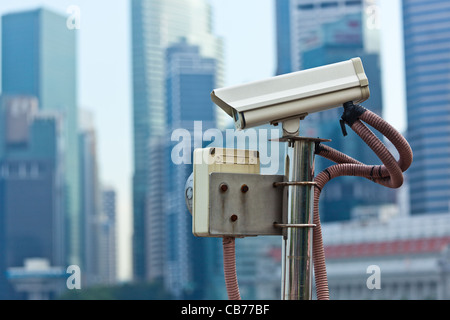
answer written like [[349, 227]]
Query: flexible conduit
[[390, 174], [229, 268]]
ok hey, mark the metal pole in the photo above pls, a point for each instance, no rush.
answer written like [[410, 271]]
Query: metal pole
[[297, 244]]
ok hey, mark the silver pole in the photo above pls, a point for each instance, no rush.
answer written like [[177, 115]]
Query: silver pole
[[297, 244]]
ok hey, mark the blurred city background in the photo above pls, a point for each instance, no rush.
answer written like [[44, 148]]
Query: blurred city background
[[91, 92]]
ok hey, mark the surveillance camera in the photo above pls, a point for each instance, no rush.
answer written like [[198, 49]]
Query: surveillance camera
[[294, 95]]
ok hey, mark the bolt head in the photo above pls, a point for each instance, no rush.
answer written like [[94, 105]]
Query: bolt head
[[223, 187]]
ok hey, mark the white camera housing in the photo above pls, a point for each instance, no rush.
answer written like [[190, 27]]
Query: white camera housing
[[294, 95]]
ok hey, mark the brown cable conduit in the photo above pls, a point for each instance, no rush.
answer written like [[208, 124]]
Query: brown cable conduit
[[229, 268], [390, 174]]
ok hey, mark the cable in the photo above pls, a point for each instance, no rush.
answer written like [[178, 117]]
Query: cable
[[229, 268], [390, 174]]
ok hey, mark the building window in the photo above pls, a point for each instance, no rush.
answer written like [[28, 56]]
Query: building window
[[353, 3], [308, 6], [34, 171], [333, 4], [22, 170], [5, 171]]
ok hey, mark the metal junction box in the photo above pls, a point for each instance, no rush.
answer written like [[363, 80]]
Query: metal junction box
[[231, 198], [210, 160], [245, 204]]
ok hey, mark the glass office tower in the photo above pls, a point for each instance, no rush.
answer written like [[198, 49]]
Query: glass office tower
[[193, 265], [156, 24], [321, 33], [39, 59], [427, 70], [31, 189]]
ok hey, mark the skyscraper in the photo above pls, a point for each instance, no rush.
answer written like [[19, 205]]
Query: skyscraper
[[156, 24], [89, 199], [283, 31], [324, 32], [427, 69], [342, 40], [191, 264], [39, 59], [31, 187], [98, 211], [108, 238], [306, 20]]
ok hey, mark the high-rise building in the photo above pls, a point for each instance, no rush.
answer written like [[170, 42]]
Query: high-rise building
[[342, 40], [427, 69], [108, 238], [98, 211], [283, 31], [191, 264], [39, 59], [89, 199], [305, 19], [324, 33], [31, 188], [156, 24]]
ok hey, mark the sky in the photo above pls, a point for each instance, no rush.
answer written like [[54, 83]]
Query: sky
[[248, 30]]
